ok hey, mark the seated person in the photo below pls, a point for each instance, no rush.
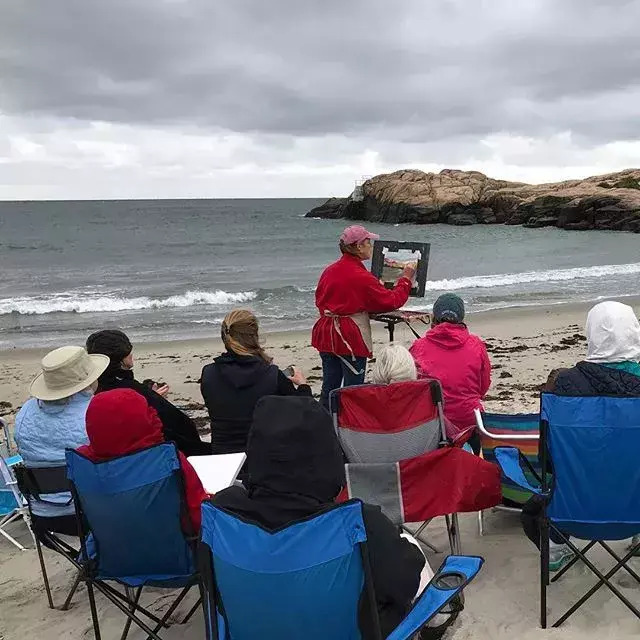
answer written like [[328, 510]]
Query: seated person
[[458, 359], [611, 368], [52, 420], [234, 382], [177, 425], [296, 470], [393, 364], [120, 422]]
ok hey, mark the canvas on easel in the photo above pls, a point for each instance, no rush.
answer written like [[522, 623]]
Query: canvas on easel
[[390, 258]]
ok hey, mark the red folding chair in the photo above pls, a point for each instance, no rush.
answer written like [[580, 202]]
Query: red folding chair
[[380, 425]]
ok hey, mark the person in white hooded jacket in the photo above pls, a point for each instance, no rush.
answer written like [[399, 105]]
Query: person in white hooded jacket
[[611, 368]]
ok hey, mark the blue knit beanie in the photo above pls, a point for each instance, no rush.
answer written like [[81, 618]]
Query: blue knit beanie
[[448, 308]]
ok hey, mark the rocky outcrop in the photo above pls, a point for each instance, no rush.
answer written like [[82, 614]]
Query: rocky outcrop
[[610, 201]]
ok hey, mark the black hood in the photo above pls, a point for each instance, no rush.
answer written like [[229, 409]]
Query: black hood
[[293, 449], [241, 371]]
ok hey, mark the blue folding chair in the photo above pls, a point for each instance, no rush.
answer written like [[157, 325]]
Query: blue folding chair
[[133, 505], [593, 444], [304, 580]]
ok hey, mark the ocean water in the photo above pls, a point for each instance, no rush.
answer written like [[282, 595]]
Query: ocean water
[[171, 269]]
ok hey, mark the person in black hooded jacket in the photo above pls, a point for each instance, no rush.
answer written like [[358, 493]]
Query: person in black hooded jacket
[[235, 381], [295, 470], [177, 425]]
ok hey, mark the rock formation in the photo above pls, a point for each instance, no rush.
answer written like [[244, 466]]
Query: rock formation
[[610, 201]]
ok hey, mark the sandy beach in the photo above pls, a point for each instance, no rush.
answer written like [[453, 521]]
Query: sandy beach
[[502, 604]]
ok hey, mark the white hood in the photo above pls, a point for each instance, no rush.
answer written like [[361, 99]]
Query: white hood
[[613, 333]]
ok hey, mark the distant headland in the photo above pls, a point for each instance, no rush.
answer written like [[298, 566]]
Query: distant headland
[[608, 202]]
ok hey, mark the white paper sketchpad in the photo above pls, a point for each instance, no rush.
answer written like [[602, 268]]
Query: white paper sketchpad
[[217, 472]]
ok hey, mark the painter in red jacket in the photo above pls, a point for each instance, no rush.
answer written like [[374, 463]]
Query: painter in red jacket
[[457, 358], [345, 296]]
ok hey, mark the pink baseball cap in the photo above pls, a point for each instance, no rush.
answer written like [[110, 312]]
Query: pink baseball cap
[[357, 233]]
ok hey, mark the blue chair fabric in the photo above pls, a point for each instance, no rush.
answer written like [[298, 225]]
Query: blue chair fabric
[[595, 491], [133, 506], [303, 580]]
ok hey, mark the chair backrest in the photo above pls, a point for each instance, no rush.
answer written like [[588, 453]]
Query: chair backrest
[[133, 506], [379, 423], [593, 443], [302, 581], [505, 425]]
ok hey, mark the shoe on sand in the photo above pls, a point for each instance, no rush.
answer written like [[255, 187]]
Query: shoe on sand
[[559, 556]]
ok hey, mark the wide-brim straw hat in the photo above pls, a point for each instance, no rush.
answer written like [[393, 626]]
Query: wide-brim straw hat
[[66, 371]]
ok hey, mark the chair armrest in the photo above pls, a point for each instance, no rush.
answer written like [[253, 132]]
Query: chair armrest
[[509, 460], [503, 436], [455, 573]]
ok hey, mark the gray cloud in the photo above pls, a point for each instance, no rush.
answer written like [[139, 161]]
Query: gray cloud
[[409, 79]]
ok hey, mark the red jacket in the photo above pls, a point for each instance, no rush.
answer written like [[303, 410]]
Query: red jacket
[[119, 422], [345, 288], [449, 353]]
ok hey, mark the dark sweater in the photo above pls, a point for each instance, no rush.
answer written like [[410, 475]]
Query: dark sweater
[[231, 386], [177, 426], [591, 379]]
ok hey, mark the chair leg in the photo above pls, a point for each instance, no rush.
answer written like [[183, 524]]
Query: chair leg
[[94, 611], [27, 519], [43, 569], [480, 523], [189, 615], [74, 588], [424, 541], [3, 523], [134, 596], [544, 570], [421, 528], [603, 580], [453, 529], [170, 610]]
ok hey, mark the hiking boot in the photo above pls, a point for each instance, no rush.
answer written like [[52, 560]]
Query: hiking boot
[[559, 556]]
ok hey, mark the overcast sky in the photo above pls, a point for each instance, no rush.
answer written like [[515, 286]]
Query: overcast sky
[[275, 98]]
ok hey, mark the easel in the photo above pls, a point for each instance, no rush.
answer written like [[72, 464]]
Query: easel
[[392, 318]]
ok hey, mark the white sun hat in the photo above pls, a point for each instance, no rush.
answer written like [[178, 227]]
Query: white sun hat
[[66, 371]]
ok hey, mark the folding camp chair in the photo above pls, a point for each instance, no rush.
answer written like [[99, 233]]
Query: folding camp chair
[[519, 430], [379, 423], [13, 506], [593, 443], [133, 505], [34, 484], [304, 580]]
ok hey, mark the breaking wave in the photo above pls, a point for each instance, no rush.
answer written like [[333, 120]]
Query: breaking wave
[[70, 302]]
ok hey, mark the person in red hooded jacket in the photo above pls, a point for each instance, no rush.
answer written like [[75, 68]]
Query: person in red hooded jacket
[[458, 359], [345, 296], [120, 422]]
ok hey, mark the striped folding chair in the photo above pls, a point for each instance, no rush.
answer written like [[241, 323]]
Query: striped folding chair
[[519, 430]]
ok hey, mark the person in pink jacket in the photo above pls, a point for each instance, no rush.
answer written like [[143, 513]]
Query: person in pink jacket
[[458, 359]]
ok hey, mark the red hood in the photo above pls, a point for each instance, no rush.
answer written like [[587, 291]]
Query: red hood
[[448, 336], [120, 422]]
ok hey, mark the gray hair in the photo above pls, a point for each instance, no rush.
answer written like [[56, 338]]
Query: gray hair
[[394, 363]]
